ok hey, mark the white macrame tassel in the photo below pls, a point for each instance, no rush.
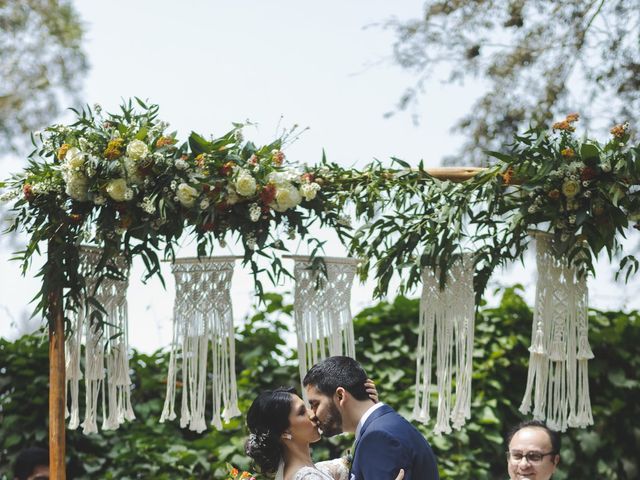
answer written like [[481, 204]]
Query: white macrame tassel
[[73, 371], [447, 318], [322, 310], [107, 383], [559, 351], [202, 314]]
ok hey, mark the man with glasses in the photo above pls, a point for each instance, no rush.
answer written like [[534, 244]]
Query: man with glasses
[[32, 464], [534, 451]]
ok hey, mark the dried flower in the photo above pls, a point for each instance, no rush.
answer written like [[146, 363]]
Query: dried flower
[[619, 130]]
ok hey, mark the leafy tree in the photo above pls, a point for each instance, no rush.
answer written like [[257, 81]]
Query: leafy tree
[[41, 65], [538, 59]]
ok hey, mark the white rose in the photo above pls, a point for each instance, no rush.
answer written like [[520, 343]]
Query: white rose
[[117, 189], [186, 194], [137, 149], [77, 187], [309, 190], [74, 158], [245, 185], [277, 178], [286, 197]]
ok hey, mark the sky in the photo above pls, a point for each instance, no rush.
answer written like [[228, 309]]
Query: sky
[[325, 66]]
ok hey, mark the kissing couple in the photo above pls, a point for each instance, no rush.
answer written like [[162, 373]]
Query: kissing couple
[[342, 399]]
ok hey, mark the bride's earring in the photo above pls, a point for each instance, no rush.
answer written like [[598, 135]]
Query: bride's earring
[[287, 436]]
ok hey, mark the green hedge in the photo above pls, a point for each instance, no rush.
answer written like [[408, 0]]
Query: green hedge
[[386, 337]]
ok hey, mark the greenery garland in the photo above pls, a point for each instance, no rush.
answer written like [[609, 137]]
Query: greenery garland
[[123, 183]]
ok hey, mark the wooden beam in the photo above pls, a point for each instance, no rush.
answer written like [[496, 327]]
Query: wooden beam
[[454, 174], [57, 391]]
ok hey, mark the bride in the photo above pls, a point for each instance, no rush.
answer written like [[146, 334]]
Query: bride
[[281, 431]]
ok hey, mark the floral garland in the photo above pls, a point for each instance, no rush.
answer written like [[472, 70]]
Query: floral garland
[[123, 183], [582, 192]]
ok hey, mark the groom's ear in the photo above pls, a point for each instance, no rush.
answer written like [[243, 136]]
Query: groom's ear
[[341, 394]]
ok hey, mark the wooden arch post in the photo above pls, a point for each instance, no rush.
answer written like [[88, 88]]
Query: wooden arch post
[[57, 387]]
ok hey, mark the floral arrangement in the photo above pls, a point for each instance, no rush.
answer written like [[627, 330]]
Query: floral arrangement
[[581, 191], [122, 182], [235, 474]]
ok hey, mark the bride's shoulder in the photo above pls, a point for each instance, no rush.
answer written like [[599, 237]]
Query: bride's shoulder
[[338, 468], [310, 473]]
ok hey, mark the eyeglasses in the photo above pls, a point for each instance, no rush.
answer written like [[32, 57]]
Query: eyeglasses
[[532, 457]]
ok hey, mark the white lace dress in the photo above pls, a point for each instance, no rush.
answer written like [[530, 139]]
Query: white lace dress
[[330, 470]]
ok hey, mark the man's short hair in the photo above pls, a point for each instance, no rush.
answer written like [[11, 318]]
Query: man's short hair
[[27, 460], [334, 372], [554, 436]]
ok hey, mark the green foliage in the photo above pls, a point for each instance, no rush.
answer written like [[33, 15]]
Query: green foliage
[[386, 338]]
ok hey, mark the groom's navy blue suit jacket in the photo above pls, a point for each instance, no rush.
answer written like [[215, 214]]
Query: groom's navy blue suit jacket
[[388, 443]]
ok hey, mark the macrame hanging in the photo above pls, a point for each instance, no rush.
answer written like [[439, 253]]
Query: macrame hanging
[[322, 310], [106, 375], [559, 353], [202, 319], [447, 318]]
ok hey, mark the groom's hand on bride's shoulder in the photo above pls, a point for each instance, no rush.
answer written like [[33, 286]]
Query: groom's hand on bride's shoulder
[[371, 390]]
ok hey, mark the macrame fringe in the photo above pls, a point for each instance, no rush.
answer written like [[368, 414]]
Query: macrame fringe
[[106, 376], [558, 373], [322, 310], [448, 317], [203, 317]]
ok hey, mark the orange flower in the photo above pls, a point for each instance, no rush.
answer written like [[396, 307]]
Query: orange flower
[[568, 152], [245, 475], [554, 194], [564, 125], [619, 130], [62, 151], [227, 168], [114, 148], [27, 190], [572, 117], [507, 176], [165, 141], [234, 472]]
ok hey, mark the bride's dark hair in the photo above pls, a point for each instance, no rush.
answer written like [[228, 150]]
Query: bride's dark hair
[[267, 419]]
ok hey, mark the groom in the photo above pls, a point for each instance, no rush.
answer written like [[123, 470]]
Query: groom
[[385, 442]]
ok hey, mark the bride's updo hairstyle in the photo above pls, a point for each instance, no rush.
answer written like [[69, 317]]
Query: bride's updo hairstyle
[[267, 419]]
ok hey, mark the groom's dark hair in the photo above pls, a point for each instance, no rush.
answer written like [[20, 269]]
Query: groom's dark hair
[[334, 372]]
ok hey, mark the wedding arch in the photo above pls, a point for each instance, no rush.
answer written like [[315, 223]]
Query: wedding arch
[[122, 183]]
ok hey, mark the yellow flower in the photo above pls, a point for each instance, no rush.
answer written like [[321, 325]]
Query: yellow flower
[[570, 188], [114, 148], [62, 151], [567, 152]]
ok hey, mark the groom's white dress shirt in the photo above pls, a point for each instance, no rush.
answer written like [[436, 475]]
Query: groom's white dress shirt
[[366, 415]]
